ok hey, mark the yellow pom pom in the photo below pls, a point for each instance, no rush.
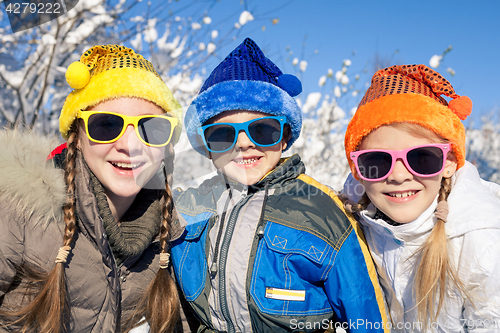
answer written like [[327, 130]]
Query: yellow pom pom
[[77, 75]]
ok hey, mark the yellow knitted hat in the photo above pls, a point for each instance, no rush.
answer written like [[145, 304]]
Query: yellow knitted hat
[[106, 72], [410, 93]]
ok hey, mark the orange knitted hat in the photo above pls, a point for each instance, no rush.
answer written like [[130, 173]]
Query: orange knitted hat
[[410, 93]]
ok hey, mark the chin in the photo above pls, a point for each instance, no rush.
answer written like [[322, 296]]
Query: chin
[[125, 191], [247, 181], [245, 178], [402, 218]]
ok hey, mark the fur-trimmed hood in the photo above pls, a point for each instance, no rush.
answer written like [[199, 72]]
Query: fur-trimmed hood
[[32, 193], [28, 183]]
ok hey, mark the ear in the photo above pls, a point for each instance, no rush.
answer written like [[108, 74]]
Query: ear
[[287, 135], [450, 166], [284, 144]]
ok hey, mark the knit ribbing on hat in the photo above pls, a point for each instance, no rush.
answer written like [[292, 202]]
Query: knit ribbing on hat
[[248, 62], [114, 71]]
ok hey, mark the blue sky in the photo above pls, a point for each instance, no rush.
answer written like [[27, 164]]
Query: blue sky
[[397, 32]]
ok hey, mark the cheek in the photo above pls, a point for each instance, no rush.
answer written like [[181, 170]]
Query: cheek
[[220, 160], [274, 157], [158, 153], [94, 154], [371, 188], [433, 184], [92, 151], [366, 184], [88, 150], [154, 156]]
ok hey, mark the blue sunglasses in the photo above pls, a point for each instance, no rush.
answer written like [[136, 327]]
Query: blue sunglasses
[[263, 132]]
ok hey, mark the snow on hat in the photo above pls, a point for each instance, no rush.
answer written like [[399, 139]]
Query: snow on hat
[[106, 72], [410, 93], [246, 80]]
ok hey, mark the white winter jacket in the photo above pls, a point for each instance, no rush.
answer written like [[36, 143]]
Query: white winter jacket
[[473, 230]]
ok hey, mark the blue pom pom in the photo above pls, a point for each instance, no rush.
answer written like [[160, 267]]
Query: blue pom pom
[[290, 83]]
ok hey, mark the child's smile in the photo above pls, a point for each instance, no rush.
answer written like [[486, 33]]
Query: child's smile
[[247, 162], [402, 196], [126, 166]]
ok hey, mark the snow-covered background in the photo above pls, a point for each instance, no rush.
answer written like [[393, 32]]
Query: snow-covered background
[[184, 49]]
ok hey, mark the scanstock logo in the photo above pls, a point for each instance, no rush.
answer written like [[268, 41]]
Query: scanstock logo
[[26, 14]]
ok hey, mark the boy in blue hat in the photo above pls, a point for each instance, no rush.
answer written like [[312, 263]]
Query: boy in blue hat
[[266, 248]]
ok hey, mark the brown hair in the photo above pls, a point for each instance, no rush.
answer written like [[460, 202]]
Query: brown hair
[[434, 270], [160, 304], [49, 310]]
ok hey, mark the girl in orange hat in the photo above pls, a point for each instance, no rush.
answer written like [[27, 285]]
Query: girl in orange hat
[[432, 225], [83, 236]]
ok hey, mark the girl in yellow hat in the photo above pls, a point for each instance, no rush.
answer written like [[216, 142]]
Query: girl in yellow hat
[[432, 225], [83, 236]]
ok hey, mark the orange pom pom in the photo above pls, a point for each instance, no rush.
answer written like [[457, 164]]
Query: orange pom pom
[[461, 106]]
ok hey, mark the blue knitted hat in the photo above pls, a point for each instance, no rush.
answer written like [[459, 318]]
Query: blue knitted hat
[[246, 80]]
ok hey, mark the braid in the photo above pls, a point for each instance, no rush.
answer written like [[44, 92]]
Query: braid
[[445, 189], [360, 206], [160, 304], [49, 310], [434, 270], [168, 201], [69, 174]]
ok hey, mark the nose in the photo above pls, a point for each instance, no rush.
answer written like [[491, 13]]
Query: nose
[[244, 141], [400, 173], [129, 140]]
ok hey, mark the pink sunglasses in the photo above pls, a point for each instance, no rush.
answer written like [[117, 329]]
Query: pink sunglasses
[[422, 161]]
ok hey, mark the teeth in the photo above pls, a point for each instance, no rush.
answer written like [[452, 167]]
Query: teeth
[[246, 161], [402, 195], [127, 165]]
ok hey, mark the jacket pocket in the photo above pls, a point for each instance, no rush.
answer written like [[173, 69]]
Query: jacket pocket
[[288, 272], [188, 255]]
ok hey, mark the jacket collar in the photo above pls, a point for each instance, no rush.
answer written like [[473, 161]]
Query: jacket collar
[[409, 232]]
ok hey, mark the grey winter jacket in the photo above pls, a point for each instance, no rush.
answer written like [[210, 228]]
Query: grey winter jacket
[[32, 193]]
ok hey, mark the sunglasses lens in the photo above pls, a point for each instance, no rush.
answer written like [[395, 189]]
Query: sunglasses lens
[[374, 165], [155, 130], [220, 137], [265, 132], [425, 160], [104, 127]]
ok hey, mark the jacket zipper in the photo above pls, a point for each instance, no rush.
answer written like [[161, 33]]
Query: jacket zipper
[[223, 259]]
